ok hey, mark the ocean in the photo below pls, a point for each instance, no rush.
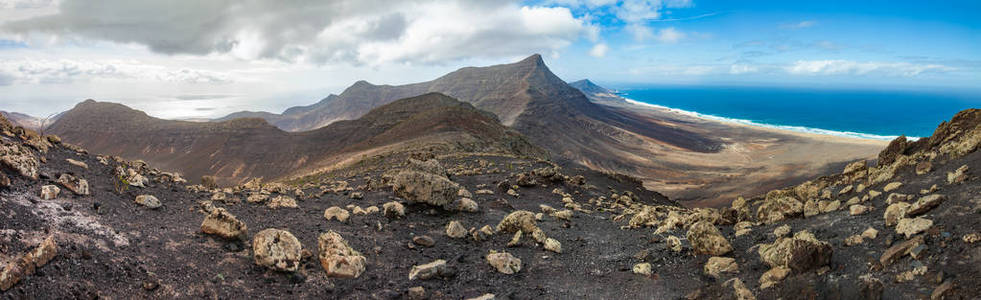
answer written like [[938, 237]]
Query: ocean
[[875, 114]]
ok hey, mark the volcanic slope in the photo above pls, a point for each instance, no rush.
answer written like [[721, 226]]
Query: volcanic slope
[[240, 149]]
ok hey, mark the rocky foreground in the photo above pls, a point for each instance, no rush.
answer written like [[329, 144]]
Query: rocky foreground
[[486, 226]]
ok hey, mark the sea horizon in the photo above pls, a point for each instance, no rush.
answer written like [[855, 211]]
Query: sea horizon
[[858, 113]]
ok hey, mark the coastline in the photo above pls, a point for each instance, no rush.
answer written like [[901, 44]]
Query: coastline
[[782, 128]]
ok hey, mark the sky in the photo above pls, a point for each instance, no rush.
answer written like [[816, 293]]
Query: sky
[[204, 59]]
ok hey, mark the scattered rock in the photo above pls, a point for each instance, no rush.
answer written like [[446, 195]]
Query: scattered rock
[[222, 223], [77, 163], [923, 167], [562, 215], [777, 208], [958, 175], [282, 201], [717, 265], [148, 200], [895, 212], [773, 276], [356, 195], [257, 198], [739, 289], [781, 231], [504, 262], [892, 186], [393, 210], [858, 209], [276, 249], [338, 258], [673, 243], [338, 213], [28, 263], [455, 230], [74, 184], [20, 159], [899, 250], [428, 271], [49, 192], [706, 239], [910, 227], [971, 238], [802, 252], [855, 166], [553, 245], [522, 220], [925, 204], [465, 204], [426, 188], [424, 240], [643, 269]]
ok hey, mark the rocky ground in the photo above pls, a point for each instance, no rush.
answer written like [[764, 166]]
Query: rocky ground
[[467, 220]]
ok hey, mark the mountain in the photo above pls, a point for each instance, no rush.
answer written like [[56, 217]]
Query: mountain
[[596, 93], [685, 157], [902, 226], [240, 149], [27, 121]]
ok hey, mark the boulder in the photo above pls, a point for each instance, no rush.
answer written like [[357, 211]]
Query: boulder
[[895, 212], [802, 252], [430, 166], [222, 223], [858, 209], [553, 245], [74, 184], [456, 230], [28, 263], [717, 265], [504, 262], [643, 269], [739, 290], [465, 204], [49, 192], [282, 201], [522, 220], [777, 208], [958, 175], [338, 258], [428, 188], [337, 213], [276, 249], [925, 204], [428, 271], [773, 276], [393, 209], [148, 200], [706, 239], [892, 186], [20, 159], [912, 226]]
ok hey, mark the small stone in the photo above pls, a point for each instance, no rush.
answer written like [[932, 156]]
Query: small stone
[[337, 213], [416, 293], [484, 192], [483, 297], [971, 238], [958, 175], [899, 250], [923, 167], [49, 192], [918, 251], [858, 209], [781, 231], [455, 230], [910, 227], [773, 276], [925, 204], [77, 163], [282, 201], [424, 240], [356, 195], [148, 200], [222, 223], [466, 204], [553, 245], [895, 212], [854, 240], [643, 269], [563, 214], [717, 265], [673, 243], [942, 291], [504, 262], [393, 210], [870, 233], [739, 289], [338, 258], [892, 186], [276, 249], [427, 271]]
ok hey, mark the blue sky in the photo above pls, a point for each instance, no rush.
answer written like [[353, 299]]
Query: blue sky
[[191, 59]]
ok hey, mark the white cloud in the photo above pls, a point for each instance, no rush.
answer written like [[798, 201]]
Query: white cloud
[[798, 25], [599, 50], [670, 35], [737, 69], [355, 31], [846, 67], [640, 32], [44, 71]]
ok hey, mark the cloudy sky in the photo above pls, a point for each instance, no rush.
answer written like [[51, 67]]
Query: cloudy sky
[[193, 58]]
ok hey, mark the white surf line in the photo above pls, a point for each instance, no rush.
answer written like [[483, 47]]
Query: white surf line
[[782, 127]]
